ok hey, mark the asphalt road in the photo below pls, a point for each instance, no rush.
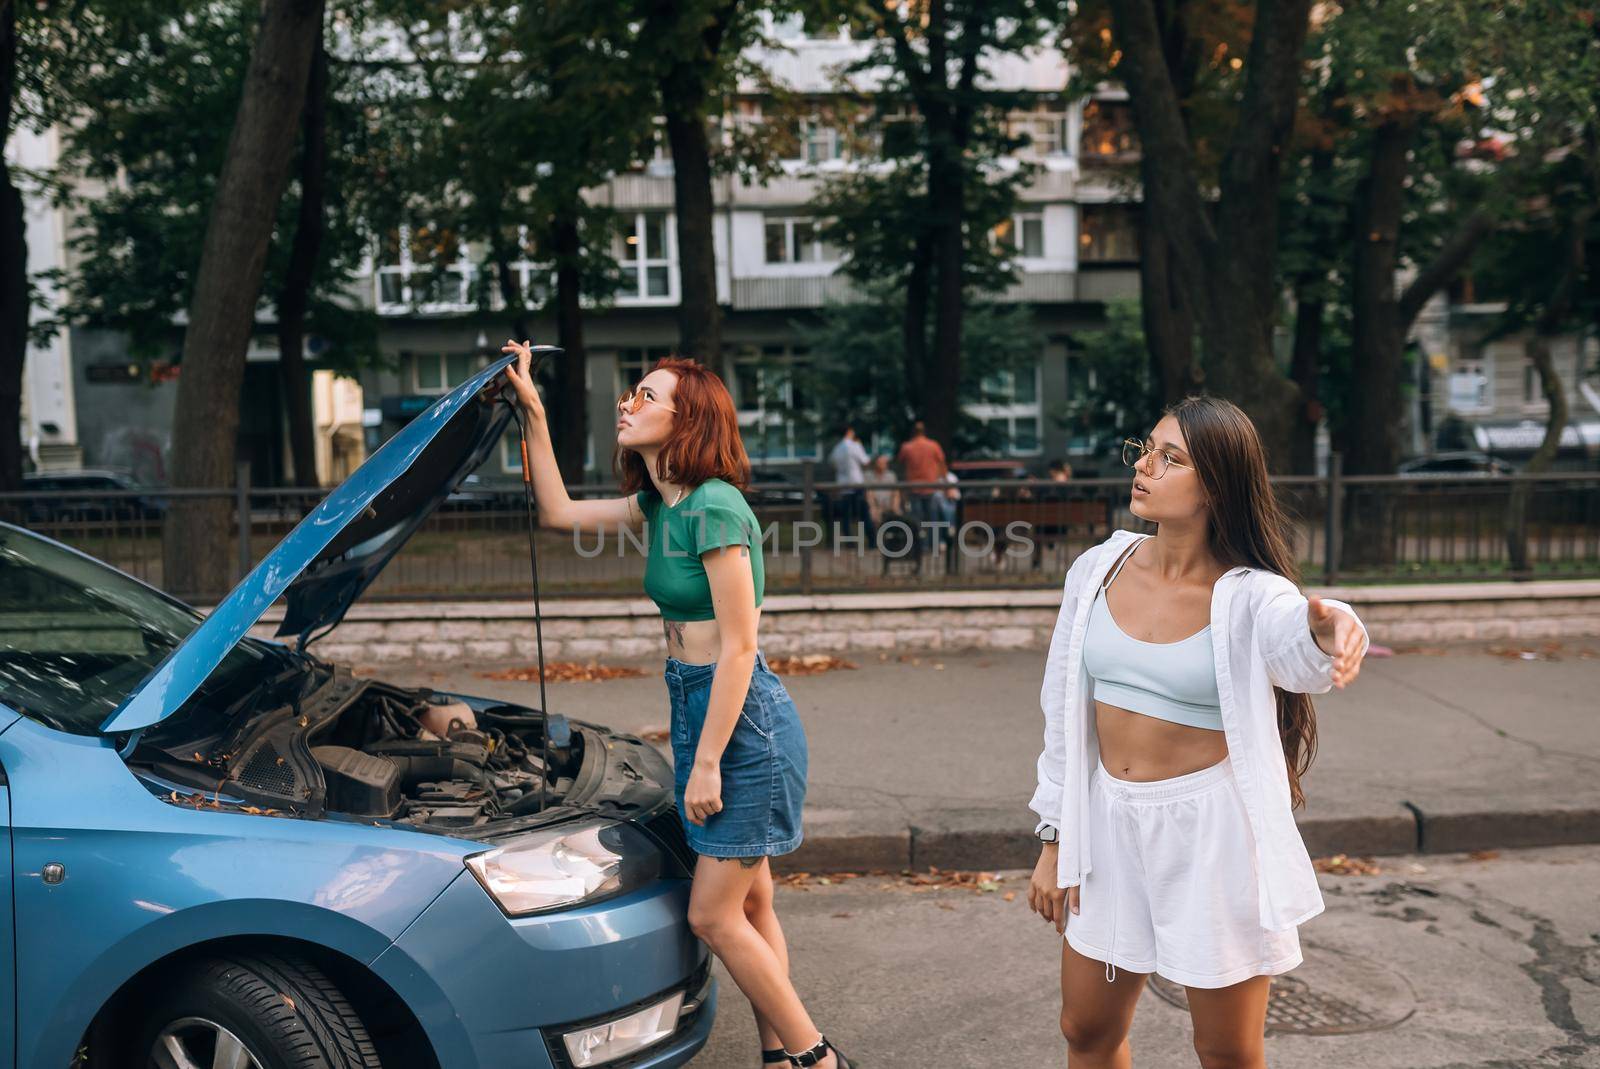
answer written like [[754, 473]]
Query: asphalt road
[[1490, 962]]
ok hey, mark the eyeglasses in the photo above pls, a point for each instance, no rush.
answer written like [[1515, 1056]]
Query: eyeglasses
[[1134, 452], [632, 400]]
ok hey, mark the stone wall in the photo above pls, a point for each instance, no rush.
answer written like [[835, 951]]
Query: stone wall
[[620, 629]]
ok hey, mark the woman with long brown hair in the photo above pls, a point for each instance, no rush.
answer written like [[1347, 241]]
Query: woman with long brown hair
[[739, 752], [1178, 723]]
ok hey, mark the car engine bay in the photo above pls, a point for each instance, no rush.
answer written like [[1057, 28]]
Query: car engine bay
[[368, 749]]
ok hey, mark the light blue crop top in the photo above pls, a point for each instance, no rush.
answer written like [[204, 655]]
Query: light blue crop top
[[1174, 681]]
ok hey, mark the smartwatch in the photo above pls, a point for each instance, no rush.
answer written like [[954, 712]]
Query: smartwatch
[[1047, 834]]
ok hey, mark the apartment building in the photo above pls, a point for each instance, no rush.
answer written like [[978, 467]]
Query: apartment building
[[1073, 238]]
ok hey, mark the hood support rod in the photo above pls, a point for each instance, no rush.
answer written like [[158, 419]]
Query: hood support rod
[[539, 353]]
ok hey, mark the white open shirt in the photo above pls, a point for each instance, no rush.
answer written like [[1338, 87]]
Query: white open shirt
[[1261, 639]]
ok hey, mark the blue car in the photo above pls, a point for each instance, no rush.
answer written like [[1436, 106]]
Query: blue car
[[226, 852]]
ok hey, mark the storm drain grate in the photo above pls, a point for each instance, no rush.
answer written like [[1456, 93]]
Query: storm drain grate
[[1330, 994]]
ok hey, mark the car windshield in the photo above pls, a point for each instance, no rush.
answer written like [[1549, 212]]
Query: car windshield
[[76, 637]]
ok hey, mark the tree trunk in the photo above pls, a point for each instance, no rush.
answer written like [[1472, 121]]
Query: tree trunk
[[914, 327], [1225, 256], [1168, 319], [13, 271], [195, 542], [295, 297], [946, 194], [1305, 371], [699, 316], [572, 424], [1537, 348], [1370, 438], [1370, 435]]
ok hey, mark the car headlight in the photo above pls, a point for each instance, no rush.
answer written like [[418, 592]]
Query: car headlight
[[565, 866]]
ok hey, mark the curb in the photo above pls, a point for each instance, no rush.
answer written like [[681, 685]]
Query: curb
[[1409, 832]]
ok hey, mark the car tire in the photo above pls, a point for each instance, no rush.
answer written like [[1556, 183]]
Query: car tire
[[280, 1009]]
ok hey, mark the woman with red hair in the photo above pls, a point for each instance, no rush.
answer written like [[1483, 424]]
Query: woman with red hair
[[739, 751]]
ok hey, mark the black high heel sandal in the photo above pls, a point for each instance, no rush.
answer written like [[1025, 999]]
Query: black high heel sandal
[[815, 1055], [776, 1056]]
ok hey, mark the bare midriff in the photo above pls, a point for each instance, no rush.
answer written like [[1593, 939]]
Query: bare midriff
[[1144, 748], [695, 641]]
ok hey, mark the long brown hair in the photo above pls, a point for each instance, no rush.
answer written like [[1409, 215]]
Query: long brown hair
[[1248, 527], [704, 443]]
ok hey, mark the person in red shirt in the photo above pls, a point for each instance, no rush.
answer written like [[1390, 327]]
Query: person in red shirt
[[922, 460]]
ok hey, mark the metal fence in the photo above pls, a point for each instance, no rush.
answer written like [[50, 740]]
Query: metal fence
[[824, 536]]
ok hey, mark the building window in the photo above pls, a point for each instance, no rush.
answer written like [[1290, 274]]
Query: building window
[[536, 276], [644, 254], [1022, 234], [796, 240], [1010, 408], [441, 372], [1470, 385], [775, 417], [1042, 131], [1108, 132], [1108, 233], [819, 141], [635, 364], [422, 268]]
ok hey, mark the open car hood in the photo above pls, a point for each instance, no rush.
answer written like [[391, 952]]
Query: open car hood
[[343, 543]]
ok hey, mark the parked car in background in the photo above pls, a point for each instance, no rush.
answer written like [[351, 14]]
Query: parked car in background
[[224, 851], [90, 494], [1458, 464]]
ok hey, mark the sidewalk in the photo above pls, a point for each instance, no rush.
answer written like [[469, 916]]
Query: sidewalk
[[928, 759]]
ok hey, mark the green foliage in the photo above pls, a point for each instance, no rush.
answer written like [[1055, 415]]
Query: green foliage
[[1114, 396], [857, 370], [150, 132]]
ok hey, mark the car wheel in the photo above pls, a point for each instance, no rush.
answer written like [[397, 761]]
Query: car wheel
[[256, 1012]]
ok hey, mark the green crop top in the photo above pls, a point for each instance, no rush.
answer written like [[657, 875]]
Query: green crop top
[[713, 514]]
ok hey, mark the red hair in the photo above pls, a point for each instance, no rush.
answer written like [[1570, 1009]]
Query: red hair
[[704, 443]]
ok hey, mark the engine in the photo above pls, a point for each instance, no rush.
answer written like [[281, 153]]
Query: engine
[[368, 749]]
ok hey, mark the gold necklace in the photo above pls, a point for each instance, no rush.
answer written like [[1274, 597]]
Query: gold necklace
[[677, 499]]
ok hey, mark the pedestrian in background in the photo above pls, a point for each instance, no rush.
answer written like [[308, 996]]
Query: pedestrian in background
[[882, 504], [1178, 723], [849, 459], [922, 460]]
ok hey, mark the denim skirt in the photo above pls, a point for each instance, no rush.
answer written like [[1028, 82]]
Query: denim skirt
[[763, 765]]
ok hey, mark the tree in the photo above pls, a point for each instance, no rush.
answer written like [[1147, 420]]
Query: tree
[[14, 300], [927, 220], [1217, 261], [222, 311], [515, 109], [152, 132], [1546, 266], [691, 50], [857, 368]]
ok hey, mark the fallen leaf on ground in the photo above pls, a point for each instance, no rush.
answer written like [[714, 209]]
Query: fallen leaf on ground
[[843, 916], [808, 664], [1343, 865], [565, 672], [1547, 652], [934, 879], [1484, 855], [1010, 896]]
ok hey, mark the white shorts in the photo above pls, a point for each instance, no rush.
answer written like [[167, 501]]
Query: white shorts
[[1173, 887]]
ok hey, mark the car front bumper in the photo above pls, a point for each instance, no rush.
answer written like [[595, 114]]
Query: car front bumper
[[498, 992]]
